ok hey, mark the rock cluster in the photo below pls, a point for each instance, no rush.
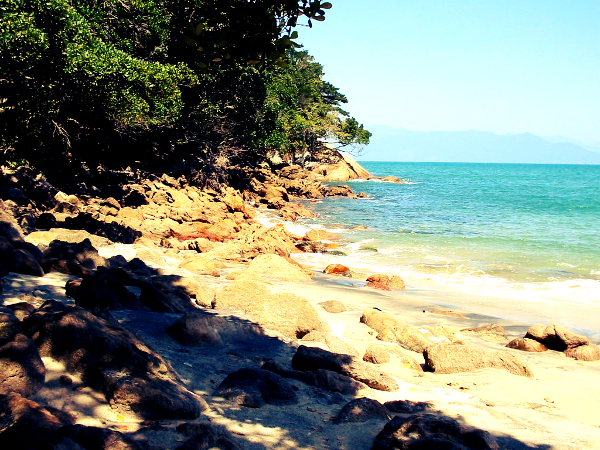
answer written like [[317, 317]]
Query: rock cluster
[[541, 337]]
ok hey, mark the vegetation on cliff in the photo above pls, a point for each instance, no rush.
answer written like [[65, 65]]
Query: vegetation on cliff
[[182, 86]]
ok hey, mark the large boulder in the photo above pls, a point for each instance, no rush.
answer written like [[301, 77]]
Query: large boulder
[[429, 432], [287, 314], [556, 337], [256, 387], [461, 358], [416, 339], [111, 359], [312, 358], [199, 329], [277, 267]]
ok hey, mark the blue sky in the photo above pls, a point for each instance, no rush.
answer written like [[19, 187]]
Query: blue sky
[[501, 66]]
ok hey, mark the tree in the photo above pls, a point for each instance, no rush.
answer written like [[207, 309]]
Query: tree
[[301, 110], [79, 78]]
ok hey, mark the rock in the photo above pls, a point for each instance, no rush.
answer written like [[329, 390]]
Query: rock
[[361, 410], [336, 269], [200, 265], [103, 291], [320, 235], [28, 425], [382, 354], [9, 227], [493, 332], [376, 285], [288, 314], [99, 438], [206, 436], [311, 358], [335, 344], [395, 283], [460, 358], [22, 309], [256, 387], [157, 300], [527, 345], [588, 352], [234, 202], [311, 246], [82, 253], [321, 378], [391, 329], [431, 431], [274, 266], [16, 257], [556, 337], [294, 211], [391, 179], [21, 368], [333, 306], [205, 329], [111, 359]]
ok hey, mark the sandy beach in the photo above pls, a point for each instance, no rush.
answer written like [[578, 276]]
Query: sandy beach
[[558, 409]]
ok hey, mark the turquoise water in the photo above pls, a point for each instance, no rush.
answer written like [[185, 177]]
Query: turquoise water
[[524, 233]]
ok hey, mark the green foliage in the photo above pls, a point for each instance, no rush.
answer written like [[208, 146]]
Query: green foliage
[[85, 83], [301, 109]]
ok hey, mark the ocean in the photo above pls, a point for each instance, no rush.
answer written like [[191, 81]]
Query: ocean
[[517, 242]]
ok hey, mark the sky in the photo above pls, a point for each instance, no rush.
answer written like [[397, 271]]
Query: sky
[[505, 66]]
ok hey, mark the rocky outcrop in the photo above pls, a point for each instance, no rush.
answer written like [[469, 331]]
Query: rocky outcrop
[[391, 329], [312, 358], [461, 358]]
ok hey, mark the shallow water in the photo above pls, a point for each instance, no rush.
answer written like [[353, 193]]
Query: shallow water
[[512, 240]]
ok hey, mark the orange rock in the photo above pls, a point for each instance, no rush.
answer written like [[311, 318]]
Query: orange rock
[[336, 269], [377, 285]]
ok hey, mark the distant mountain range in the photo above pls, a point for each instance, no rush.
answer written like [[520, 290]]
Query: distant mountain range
[[398, 144]]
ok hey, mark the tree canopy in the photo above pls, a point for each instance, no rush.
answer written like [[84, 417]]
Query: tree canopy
[[140, 82]]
